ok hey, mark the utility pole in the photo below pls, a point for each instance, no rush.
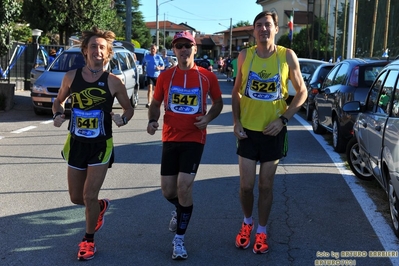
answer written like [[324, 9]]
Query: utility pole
[[231, 38], [128, 23]]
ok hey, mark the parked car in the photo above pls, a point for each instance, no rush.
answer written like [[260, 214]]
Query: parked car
[[308, 66], [313, 85], [140, 53], [373, 152], [349, 80], [46, 86]]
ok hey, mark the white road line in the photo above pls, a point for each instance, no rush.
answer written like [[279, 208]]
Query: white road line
[[47, 122], [382, 229], [23, 129]]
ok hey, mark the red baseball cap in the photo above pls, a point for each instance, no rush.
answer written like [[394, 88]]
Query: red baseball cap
[[183, 35]]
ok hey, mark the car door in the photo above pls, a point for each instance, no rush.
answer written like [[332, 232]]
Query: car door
[[326, 95], [128, 73], [373, 121]]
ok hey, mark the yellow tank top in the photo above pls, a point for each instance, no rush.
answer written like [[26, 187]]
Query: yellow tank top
[[263, 88]]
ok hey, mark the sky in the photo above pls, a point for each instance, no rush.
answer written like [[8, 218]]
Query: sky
[[203, 15]]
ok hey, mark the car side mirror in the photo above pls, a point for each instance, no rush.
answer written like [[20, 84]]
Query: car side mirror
[[351, 107]]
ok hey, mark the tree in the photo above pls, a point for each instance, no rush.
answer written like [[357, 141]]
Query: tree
[[242, 23], [140, 32], [68, 17], [305, 48], [9, 11]]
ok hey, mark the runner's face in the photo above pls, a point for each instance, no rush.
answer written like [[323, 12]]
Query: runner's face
[[265, 30], [97, 51], [184, 54]]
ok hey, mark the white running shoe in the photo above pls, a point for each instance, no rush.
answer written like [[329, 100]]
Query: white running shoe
[[179, 251], [173, 222]]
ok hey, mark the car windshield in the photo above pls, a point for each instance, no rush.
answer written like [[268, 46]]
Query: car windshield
[[68, 61], [308, 68]]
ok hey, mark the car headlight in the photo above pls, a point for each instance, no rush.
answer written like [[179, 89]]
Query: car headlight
[[38, 88]]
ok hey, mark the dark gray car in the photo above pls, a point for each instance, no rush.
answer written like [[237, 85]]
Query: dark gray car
[[373, 152]]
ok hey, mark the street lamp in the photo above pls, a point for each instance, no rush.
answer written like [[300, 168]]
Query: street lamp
[[231, 37], [36, 33], [157, 29]]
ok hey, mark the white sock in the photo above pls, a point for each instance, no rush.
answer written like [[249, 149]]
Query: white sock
[[248, 220], [261, 229], [179, 236]]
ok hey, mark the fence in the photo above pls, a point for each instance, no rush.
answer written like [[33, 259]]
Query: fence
[[18, 62]]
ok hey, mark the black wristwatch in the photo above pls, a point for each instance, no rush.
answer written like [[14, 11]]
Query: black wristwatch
[[56, 114], [284, 120], [124, 119]]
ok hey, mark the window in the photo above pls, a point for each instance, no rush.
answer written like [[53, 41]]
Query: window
[[374, 92], [330, 77]]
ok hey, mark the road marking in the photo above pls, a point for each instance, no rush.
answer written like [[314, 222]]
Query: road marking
[[381, 228], [47, 122], [23, 129]]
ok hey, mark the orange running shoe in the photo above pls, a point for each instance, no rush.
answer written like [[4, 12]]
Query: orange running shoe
[[261, 245], [243, 239], [100, 221], [86, 250]]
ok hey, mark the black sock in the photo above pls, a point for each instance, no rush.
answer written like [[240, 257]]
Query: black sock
[[88, 237], [174, 201], [183, 218]]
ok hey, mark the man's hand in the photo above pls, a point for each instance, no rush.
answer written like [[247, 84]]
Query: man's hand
[[118, 120], [152, 127], [59, 120]]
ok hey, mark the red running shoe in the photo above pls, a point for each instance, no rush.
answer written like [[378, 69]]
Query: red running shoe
[[86, 250], [243, 239], [100, 221], [261, 245]]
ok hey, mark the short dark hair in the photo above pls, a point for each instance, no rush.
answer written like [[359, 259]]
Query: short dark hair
[[267, 13]]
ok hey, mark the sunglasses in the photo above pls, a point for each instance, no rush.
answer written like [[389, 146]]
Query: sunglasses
[[185, 45]]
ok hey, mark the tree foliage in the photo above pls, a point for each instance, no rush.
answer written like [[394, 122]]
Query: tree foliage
[[68, 17], [9, 11], [242, 23], [140, 32], [310, 42]]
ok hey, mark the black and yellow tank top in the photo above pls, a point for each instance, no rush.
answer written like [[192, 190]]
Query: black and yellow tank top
[[91, 107]]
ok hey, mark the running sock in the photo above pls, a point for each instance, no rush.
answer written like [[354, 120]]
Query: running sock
[[261, 229], [174, 201], [179, 236], [88, 237], [248, 220], [183, 218]]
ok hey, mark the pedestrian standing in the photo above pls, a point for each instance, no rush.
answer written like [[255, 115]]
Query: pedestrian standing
[[88, 149], [183, 90], [260, 116], [153, 64]]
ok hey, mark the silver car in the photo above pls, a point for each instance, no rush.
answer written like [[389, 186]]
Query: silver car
[[47, 82], [373, 152]]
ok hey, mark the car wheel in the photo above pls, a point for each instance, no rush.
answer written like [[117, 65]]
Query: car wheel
[[355, 161], [317, 128], [394, 207], [134, 100], [338, 141], [309, 112]]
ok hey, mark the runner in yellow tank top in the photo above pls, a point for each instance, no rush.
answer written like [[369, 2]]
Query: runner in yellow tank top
[[260, 116]]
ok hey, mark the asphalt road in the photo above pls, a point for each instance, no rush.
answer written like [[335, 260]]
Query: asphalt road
[[316, 215]]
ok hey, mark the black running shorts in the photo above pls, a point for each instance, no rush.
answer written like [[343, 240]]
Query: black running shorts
[[80, 155], [263, 148], [182, 157]]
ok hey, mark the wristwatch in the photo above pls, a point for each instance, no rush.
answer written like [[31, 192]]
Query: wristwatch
[[284, 120], [56, 114], [124, 119]]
